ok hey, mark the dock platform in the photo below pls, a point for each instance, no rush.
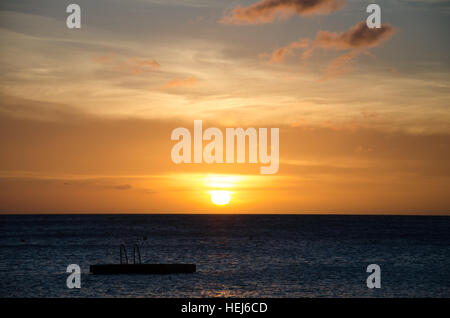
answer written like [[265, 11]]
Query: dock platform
[[143, 268]]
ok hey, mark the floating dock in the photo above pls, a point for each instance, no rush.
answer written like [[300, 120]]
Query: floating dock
[[138, 268], [143, 268]]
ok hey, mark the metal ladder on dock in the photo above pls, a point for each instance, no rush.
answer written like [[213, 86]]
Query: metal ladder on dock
[[124, 254]]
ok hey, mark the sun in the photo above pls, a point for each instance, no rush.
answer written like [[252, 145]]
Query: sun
[[220, 197]]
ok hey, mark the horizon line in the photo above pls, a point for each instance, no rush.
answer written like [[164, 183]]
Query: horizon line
[[209, 213]]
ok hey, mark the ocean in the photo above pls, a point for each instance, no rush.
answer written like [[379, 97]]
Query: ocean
[[236, 255]]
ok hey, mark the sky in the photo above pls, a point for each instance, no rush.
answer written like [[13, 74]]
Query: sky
[[86, 114]]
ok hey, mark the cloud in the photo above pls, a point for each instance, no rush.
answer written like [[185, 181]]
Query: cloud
[[266, 11], [123, 187], [356, 40], [91, 182], [357, 37], [179, 82], [132, 65], [103, 59], [151, 62], [339, 66], [279, 54]]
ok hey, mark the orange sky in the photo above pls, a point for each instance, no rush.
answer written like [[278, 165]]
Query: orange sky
[[86, 115]]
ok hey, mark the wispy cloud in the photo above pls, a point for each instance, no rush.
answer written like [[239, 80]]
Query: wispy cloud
[[339, 65], [357, 39], [179, 82], [123, 187], [131, 65], [266, 11], [279, 54]]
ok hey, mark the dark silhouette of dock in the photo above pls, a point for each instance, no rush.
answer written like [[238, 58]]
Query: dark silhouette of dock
[[138, 268], [143, 268]]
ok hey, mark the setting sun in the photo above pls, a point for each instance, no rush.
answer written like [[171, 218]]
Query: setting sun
[[220, 197]]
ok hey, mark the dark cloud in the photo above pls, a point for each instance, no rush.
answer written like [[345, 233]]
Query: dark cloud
[[265, 11], [357, 37], [123, 187]]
